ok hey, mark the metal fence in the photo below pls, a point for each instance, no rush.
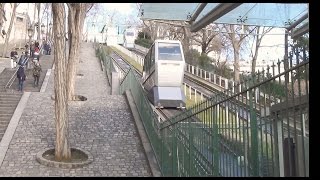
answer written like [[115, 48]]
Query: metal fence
[[238, 134], [259, 127]]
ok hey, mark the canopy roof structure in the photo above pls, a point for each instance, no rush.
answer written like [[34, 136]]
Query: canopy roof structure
[[199, 15]]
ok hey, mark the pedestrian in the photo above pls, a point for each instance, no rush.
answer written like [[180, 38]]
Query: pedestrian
[[32, 46], [21, 77], [36, 73], [36, 54], [14, 56], [27, 49], [23, 61], [49, 49]]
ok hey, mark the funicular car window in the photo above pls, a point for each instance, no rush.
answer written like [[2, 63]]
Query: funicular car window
[[169, 51]]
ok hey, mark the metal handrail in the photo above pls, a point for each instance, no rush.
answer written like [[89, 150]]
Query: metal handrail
[[11, 80]]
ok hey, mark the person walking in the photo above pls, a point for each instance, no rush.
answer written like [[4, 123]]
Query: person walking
[[21, 77], [36, 73], [32, 46]]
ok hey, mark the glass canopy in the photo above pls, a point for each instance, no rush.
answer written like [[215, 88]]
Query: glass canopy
[[262, 14]]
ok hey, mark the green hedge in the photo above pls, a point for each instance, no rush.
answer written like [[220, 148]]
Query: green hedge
[[144, 42]]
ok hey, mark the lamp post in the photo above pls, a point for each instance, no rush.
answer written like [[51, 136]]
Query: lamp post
[[50, 34], [30, 33], [42, 30]]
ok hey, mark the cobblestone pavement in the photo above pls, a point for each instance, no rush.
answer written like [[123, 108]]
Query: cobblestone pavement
[[102, 125]]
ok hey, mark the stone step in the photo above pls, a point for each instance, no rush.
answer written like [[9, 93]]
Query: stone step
[[4, 126], [5, 116], [7, 111], [9, 99], [2, 131], [9, 94], [8, 103], [4, 123], [7, 108], [5, 105]]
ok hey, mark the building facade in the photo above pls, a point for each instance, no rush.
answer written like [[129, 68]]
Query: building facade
[[22, 21]]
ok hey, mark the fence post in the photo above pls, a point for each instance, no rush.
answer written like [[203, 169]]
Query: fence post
[[254, 136], [195, 95], [191, 169], [227, 114], [215, 142], [190, 92]]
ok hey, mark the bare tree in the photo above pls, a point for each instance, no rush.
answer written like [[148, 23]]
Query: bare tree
[[1, 15], [152, 28], [13, 17], [76, 16], [258, 37], [236, 39], [62, 146], [205, 38]]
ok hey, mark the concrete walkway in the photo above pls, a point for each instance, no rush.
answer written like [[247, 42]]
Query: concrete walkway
[[102, 125]]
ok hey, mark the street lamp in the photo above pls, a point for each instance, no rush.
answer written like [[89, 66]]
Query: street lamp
[[30, 33], [42, 30], [50, 26]]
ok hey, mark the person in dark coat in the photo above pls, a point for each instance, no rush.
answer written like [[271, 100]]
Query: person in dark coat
[[21, 77], [32, 47], [36, 73]]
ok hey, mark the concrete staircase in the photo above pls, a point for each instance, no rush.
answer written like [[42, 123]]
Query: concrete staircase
[[10, 97], [8, 100]]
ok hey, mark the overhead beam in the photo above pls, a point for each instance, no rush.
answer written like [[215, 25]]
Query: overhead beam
[[297, 22], [300, 31], [217, 12], [198, 11]]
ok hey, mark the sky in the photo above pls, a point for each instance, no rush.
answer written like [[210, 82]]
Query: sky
[[123, 8], [123, 12]]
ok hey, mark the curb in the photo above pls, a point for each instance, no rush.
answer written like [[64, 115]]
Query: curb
[[155, 170], [64, 165], [45, 81]]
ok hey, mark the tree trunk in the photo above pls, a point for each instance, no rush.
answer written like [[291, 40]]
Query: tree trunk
[[13, 17], [256, 51], [1, 15], [186, 38], [236, 48], [203, 48], [75, 20], [236, 64], [62, 147]]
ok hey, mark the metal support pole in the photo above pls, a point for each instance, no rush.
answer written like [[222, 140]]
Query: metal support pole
[[189, 92]]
